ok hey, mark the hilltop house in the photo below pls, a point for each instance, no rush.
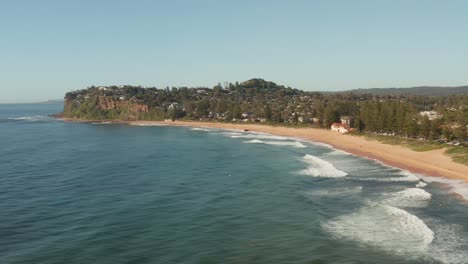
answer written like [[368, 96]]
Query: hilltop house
[[341, 128]]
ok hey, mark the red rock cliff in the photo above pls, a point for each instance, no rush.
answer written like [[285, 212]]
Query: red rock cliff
[[106, 103]]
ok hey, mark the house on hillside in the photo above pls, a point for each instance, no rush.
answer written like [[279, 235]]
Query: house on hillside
[[340, 128], [430, 114], [346, 120], [304, 119], [247, 115], [173, 106]]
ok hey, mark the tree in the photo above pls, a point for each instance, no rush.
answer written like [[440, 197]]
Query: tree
[[425, 128], [174, 115], [330, 116], [447, 133], [202, 108], [435, 130], [460, 132], [236, 111], [221, 106], [357, 124], [411, 127], [268, 112]]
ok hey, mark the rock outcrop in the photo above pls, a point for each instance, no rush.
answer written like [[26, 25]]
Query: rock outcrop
[[106, 103]]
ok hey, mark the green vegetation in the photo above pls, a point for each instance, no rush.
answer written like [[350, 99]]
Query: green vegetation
[[414, 144], [257, 100], [459, 154], [419, 121]]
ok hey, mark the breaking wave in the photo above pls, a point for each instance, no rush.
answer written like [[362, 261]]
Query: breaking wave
[[320, 144], [102, 123], [338, 152], [336, 192], [37, 118], [421, 184], [456, 186], [405, 176], [321, 168], [147, 125], [258, 136], [200, 129], [231, 133], [295, 144], [410, 197], [450, 243], [384, 226]]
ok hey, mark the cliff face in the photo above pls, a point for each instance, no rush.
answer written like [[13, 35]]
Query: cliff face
[[106, 103], [102, 107]]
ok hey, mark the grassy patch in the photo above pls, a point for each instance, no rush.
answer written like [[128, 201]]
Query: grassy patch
[[458, 154], [414, 144]]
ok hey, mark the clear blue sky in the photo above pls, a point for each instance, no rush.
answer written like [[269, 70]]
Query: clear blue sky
[[50, 47]]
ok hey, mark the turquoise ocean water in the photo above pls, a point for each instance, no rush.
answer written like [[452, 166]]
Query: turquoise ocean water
[[109, 193]]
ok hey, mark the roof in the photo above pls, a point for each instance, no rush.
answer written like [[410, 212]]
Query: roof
[[340, 125]]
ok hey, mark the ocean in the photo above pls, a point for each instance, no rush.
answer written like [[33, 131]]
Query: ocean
[[116, 193]]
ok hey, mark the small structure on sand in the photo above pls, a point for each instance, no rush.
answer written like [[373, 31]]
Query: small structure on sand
[[341, 128]]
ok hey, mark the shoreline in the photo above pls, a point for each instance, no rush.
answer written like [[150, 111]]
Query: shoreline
[[429, 163]]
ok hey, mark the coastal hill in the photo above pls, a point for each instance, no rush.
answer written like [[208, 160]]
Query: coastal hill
[[391, 112]]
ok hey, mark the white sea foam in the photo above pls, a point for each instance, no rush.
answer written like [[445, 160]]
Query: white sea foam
[[450, 244], [254, 141], [410, 197], [231, 134], [31, 118], [102, 123], [321, 144], [338, 152], [147, 125], [295, 144], [200, 129], [258, 136], [405, 176], [267, 136], [421, 184], [336, 192], [321, 168], [457, 186], [384, 226]]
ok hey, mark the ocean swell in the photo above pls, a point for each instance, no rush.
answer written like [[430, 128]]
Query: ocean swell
[[256, 136], [321, 168], [200, 129], [295, 144], [383, 226], [410, 197], [37, 118]]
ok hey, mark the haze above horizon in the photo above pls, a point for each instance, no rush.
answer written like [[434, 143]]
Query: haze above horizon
[[51, 47]]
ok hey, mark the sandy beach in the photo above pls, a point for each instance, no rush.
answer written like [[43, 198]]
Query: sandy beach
[[431, 163]]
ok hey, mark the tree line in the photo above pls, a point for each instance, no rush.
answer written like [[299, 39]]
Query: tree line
[[387, 114]]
